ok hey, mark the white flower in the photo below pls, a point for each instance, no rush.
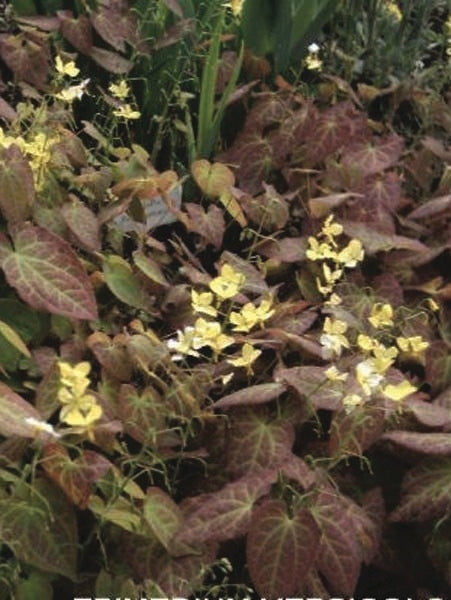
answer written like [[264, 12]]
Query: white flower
[[41, 426], [313, 48]]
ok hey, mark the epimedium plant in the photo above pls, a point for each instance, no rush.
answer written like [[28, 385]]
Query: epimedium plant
[[248, 378]]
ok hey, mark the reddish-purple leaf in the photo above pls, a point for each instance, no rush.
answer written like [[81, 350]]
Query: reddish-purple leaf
[[285, 250], [16, 185], [254, 394], [270, 211], [311, 383], [346, 539], [142, 413], [353, 433], [256, 441], [209, 224], [435, 208], [297, 469], [7, 112], [255, 282], [281, 549], [372, 158], [431, 415], [77, 31], [47, 274], [28, 57], [110, 61], [375, 241], [14, 414], [115, 23], [438, 366], [111, 354], [433, 444], [425, 492], [82, 222], [227, 513]]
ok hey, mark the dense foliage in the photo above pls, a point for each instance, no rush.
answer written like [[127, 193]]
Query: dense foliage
[[224, 311]]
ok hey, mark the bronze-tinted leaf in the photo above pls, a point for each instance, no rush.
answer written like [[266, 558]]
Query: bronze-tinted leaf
[[77, 31], [110, 61], [16, 185], [111, 354], [47, 274], [254, 394], [82, 222], [212, 178], [209, 224], [15, 413], [115, 23], [28, 57]]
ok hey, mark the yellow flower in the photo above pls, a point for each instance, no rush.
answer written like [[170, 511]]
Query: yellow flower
[[228, 283], [333, 338], [399, 391], [208, 333], [313, 62], [183, 345], [236, 7], [381, 315], [249, 355], [250, 315], [366, 343], [320, 250], [432, 304], [351, 254], [333, 374], [331, 229], [75, 378], [414, 346], [81, 411], [120, 90], [367, 376], [68, 68], [351, 401], [383, 357], [201, 303], [334, 300], [125, 111], [74, 92], [331, 277], [393, 10]]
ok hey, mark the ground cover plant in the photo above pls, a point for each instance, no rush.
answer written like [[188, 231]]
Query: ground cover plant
[[230, 377]]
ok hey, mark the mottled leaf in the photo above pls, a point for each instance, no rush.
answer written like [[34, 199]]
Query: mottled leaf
[[254, 394], [47, 274], [16, 185], [227, 513], [346, 538], [209, 224], [75, 477], [82, 222], [142, 413], [296, 468], [281, 548], [433, 444], [256, 441], [288, 249], [354, 432], [372, 158], [41, 529], [425, 492]]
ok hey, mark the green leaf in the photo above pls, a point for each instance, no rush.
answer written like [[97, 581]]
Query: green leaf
[[121, 512], [212, 178], [226, 514], [47, 274], [163, 516], [13, 338], [123, 282], [41, 530], [37, 585], [281, 549], [150, 268], [256, 441], [425, 492]]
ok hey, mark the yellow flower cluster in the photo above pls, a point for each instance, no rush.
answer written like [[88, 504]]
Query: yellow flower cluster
[[334, 260], [69, 93], [121, 91], [79, 409], [212, 333]]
